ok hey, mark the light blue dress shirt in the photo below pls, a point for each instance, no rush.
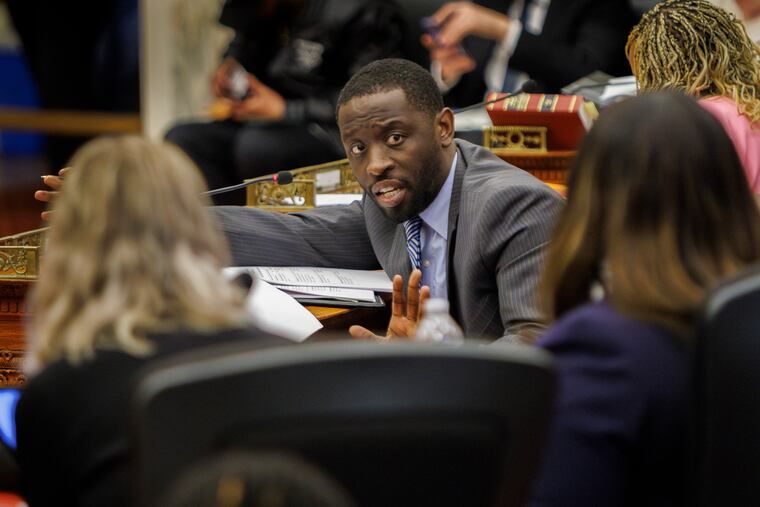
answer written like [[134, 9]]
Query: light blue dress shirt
[[434, 238]]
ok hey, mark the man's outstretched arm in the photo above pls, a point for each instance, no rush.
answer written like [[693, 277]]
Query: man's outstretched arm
[[334, 236]]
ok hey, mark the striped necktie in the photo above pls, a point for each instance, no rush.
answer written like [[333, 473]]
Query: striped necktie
[[412, 228]]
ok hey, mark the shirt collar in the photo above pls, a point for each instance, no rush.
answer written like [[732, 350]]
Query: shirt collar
[[436, 215]]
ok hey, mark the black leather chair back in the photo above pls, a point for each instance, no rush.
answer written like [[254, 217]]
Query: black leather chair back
[[396, 424], [728, 394]]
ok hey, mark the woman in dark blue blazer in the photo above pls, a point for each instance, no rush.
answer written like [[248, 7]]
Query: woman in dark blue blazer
[[658, 211]]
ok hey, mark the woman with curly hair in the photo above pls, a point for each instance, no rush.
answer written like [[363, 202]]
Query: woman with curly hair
[[703, 51]]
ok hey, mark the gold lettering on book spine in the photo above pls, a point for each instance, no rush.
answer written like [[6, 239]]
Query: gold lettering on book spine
[[516, 103], [547, 103]]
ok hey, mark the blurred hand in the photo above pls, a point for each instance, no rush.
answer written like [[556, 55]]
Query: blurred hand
[[262, 102], [453, 60], [220, 81], [405, 312], [54, 182], [457, 20]]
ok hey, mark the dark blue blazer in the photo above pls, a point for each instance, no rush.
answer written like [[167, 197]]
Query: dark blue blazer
[[620, 433]]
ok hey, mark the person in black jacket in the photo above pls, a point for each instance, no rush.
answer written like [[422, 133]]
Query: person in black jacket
[[496, 45], [280, 79], [83, 55]]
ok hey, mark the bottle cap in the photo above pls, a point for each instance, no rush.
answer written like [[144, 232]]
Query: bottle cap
[[436, 305]]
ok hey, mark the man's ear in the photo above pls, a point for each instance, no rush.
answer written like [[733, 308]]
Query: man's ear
[[444, 122]]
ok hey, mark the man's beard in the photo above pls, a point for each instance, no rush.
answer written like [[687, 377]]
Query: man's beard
[[425, 191]]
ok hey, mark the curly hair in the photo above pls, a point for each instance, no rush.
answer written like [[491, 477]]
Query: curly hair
[[699, 49]]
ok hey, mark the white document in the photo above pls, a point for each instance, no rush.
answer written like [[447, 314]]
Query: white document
[[273, 311], [328, 180], [619, 87], [302, 291], [474, 119], [319, 277], [336, 199]]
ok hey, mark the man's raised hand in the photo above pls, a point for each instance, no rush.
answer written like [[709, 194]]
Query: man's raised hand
[[406, 312]]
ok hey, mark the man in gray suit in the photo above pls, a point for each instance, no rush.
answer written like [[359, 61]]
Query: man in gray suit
[[474, 224]]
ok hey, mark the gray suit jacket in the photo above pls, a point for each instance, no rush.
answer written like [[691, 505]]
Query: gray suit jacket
[[500, 219]]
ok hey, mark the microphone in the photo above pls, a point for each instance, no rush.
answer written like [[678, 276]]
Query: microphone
[[529, 86], [281, 178]]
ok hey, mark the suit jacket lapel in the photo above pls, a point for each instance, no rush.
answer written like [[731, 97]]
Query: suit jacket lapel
[[399, 262]]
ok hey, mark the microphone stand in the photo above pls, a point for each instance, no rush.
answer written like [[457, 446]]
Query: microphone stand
[[281, 178]]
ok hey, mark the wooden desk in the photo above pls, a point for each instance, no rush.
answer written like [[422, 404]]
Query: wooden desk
[[14, 313], [551, 167]]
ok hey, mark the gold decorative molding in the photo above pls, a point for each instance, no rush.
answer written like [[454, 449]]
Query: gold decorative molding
[[11, 378], [11, 359], [29, 238], [335, 177], [500, 139], [11, 367], [19, 266], [20, 255], [296, 196], [19, 262]]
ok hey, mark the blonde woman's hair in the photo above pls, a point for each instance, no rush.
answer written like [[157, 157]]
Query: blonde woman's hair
[[131, 251], [699, 49]]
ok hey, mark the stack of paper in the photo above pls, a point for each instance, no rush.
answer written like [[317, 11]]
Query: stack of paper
[[312, 284]]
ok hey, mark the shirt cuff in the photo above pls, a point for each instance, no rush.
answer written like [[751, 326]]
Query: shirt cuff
[[436, 72], [496, 67]]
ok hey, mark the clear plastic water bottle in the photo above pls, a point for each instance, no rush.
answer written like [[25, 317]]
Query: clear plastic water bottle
[[437, 326]]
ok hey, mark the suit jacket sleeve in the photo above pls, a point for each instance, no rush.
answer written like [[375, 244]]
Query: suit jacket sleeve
[[517, 232], [334, 236], [593, 39]]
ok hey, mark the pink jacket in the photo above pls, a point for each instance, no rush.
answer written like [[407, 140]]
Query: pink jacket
[[745, 135]]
